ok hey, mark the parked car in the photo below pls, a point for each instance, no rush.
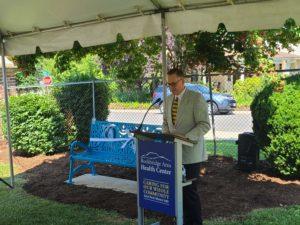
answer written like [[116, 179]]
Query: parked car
[[222, 103]]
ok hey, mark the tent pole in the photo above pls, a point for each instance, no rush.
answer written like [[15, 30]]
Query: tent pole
[[211, 111], [12, 178], [164, 61]]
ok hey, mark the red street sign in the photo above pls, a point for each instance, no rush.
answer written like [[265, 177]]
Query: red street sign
[[47, 80]]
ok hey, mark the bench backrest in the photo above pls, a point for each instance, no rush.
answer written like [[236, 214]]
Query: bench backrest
[[104, 129], [118, 153]]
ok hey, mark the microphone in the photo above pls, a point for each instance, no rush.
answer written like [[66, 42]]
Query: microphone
[[156, 101]]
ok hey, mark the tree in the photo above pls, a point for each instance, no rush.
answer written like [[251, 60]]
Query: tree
[[227, 51], [222, 51], [127, 61]]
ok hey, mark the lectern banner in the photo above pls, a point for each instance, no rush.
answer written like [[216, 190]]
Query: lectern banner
[[157, 176]]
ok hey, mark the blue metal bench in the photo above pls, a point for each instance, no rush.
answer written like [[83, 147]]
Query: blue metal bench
[[110, 143]]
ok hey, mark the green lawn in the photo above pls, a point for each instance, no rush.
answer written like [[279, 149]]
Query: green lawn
[[4, 170], [225, 148], [275, 216], [19, 208]]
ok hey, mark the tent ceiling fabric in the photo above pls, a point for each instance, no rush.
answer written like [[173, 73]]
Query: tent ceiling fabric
[[55, 24]]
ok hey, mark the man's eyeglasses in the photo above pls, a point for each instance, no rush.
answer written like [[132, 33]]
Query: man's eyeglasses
[[173, 84]]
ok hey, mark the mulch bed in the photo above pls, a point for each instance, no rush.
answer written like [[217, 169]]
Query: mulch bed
[[224, 191]]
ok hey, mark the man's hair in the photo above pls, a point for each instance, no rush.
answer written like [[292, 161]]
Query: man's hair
[[176, 71]]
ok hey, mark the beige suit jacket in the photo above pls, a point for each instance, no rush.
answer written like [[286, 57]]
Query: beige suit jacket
[[192, 122]]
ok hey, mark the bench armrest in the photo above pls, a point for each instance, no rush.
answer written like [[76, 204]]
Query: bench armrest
[[80, 144]]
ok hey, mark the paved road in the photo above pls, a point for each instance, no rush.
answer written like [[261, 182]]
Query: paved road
[[227, 126]]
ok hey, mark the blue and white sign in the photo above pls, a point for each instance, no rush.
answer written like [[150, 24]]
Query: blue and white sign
[[157, 176]]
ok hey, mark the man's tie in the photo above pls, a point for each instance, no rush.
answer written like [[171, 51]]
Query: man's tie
[[174, 110]]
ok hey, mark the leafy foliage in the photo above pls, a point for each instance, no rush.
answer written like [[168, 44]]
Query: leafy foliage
[[244, 91], [70, 112], [86, 65], [130, 61], [225, 51], [23, 80], [42, 65], [276, 123], [26, 63], [37, 125], [76, 101], [222, 51], [129, 95], [127, 61]]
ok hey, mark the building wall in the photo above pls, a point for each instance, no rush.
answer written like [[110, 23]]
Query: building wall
[[287, 63], [222, 83]]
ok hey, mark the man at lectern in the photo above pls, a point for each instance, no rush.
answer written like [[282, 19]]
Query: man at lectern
[[187, 116]]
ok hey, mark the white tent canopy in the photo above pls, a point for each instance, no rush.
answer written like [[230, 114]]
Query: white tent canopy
[[54, 25]]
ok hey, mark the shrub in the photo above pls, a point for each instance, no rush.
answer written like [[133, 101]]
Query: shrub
[[129, 105], [261, 110], [131, 96], [276, 124], [76, 102], [23, 80], [37, 125], [245, 90], [123, 94], [87, 66]]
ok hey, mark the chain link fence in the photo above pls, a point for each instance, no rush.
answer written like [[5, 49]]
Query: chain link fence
[[128, 105], [228, 124], [75, 100], [227, 118]]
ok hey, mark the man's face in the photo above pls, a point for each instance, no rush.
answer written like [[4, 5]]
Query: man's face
[[175, 83]]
